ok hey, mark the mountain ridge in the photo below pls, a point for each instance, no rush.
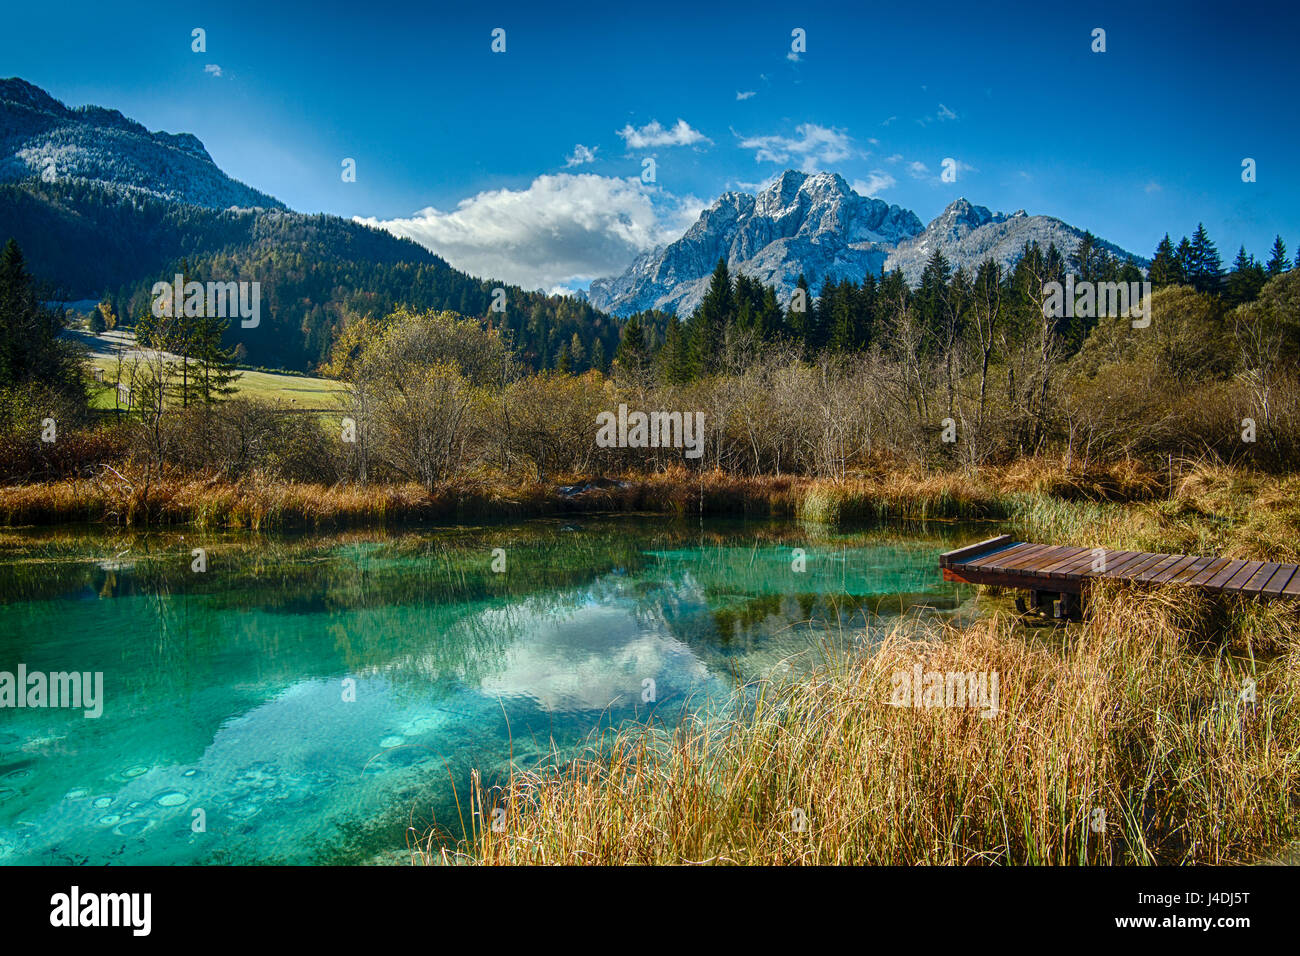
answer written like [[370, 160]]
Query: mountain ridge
[[41, 137], [817, 226]]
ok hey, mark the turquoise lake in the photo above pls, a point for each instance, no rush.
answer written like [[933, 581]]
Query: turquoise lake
[[227, 691]]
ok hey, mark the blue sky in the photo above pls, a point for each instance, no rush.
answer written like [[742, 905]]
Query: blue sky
[[476, 153]]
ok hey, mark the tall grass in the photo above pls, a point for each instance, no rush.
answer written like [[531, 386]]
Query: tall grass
[[134, 498], [1123, 741]]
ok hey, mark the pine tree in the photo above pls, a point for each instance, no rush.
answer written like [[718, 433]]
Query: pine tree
[[675, 356], [215, 373], [708, 325], [819, 326], [1165, 269], [1183, 258], [577, 353], [632, 353], [933, 301], [798, 317], [843, 335], [598, 355], [1277, 261], [1206, 268], [31, 351]]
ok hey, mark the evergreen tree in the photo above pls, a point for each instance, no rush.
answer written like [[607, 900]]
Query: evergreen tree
[[1277, 261], [843, 334], [215, 365], [675, 356], [820, 320], [1183, 257], [31, 351], [1165, 267], [633, 355], [932, 298], [771, 320], [799, 320], [1245, 280], [708, 325], [598, 361], [577, 353], [1206, 268]]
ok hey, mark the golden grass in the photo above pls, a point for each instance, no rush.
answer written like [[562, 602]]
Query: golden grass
[[1122, 742]]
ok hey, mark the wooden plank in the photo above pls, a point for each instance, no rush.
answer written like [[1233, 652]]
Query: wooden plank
[[1054, 569], [1008, 561], [1003, 562], [1018, 548], [1038, 568], [1256, 581], [1217, 582], [1292, 588], [1190, 571], [1169, 573], [1132, 563], [1010, 580], [1247, 570], [1161, 569], [1030, 562], [1137, 567], [1209, 571], [969, 551], [1118, 562], [1278, 581], [1071, 568]]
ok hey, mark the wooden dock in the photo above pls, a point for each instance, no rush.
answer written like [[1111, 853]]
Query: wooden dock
[[1057, 577]]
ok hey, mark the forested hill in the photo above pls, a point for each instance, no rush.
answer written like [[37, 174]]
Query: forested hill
[[103, 228]]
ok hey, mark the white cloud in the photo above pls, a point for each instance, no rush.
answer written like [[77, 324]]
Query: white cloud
[[792, 57], [745, 95], [942, 115], [894, 158], [813, 147], [877, 182], [581, 154], [918, 170], [1153, 187], [653, 134], [213, 69], [562, 229]]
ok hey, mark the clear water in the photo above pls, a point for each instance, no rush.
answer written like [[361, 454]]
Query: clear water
[[224, 690]]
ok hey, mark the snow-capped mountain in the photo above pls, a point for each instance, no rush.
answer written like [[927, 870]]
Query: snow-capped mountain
[[967, 235], [818, 226], [42, 138], [814, 224]]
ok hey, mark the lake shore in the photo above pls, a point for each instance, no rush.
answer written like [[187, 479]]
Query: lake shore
[[1162, 731], [1209, 508]]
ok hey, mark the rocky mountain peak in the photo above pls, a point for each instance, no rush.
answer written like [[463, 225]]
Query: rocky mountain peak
[[814, 224]]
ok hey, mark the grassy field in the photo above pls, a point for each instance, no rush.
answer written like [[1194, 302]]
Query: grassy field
[[303, 391]]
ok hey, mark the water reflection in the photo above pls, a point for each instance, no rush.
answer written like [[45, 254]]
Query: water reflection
[[310, 694]]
